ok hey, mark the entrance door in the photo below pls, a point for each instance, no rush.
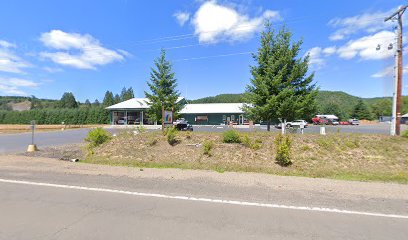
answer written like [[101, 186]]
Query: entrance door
[[241, 119]]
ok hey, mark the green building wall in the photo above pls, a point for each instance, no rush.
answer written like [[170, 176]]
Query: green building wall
[[213, 119]]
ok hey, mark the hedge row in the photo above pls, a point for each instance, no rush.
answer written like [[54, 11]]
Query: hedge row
[[95, 115]]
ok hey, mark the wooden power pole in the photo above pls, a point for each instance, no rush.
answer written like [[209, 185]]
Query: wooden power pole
[[396, 106]]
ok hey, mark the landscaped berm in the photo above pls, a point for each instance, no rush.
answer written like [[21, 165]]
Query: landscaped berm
[[339, 156]]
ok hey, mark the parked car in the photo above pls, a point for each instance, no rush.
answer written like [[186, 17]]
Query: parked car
[[182, 125], [334, 122], [121, 121], [354, 121], [297, 123]]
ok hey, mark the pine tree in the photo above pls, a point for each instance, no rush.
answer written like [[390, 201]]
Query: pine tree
[[117, 99], [87, 103], [108, 100], [68, 101], [96, 103], [123, 94], [162, 88], [361, 111], [279, 86], [129, 93]]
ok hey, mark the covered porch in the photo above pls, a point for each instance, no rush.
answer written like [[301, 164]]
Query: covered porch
[[128, 117]]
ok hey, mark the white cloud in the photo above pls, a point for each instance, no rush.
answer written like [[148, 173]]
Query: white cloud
[[52, 69], [90, 52], [14, 85], [367, 22], [214, 22], [366, 47], [315, 57], [9, 61], [388, 72], [182, 17], [5, 44], [329, 51]]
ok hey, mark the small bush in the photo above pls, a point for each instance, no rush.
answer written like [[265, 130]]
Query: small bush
[[283, 144], [97, 137], [405, 134], [231, 136], [152, 142], [208, 146], [246, 141], [172, 138], [141, 129], [257, 144]]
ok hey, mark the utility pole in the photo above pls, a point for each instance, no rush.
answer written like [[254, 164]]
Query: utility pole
[[396, 106]]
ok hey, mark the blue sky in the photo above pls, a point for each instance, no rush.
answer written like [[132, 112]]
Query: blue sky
[[88, 47]]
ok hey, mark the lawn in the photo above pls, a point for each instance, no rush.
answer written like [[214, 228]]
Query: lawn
[[338, 155]]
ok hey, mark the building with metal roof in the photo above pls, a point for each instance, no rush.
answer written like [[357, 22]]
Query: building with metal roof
[[214, 113], [133, 111]]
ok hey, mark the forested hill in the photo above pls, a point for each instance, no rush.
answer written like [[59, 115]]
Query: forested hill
[[8, 102], [221, 98]]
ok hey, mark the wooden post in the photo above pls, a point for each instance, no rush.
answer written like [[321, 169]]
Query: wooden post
[[162, 116]]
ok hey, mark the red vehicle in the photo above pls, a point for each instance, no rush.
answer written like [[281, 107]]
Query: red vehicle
[[325, 119]]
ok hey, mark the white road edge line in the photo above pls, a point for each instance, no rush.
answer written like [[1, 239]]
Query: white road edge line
[[219, 201]]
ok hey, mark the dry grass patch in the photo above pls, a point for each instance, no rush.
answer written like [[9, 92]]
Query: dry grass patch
[[341, 156]]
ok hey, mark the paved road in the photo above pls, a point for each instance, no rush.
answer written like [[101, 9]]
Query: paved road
[[45, 202], [19, 142], [10, 143]]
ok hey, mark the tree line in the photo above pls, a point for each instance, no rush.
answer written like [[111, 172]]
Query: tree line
[[67, 110]]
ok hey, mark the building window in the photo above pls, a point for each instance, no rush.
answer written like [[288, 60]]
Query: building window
[[202, 118], [224, 117], [232, 117]]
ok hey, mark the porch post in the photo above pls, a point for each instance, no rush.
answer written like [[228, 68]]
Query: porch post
[[141, 118], [126, 117]]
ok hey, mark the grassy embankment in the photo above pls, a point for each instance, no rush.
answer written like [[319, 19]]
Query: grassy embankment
[[337, 156]]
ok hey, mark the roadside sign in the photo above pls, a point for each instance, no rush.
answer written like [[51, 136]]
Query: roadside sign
[[168, 117]]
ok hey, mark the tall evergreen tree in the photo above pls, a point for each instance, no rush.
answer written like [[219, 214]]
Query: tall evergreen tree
[[117, 98], [279, 86], [108, 100], [68, 101], [123, 94], [96, 103], [129, 93], [162, 88], [361, 111], [87, 103]]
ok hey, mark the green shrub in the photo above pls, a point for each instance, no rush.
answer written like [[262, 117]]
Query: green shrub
[[141, 129], [97, 137], [231, 136], [172, 138], [246, 141], [283, 144], [405, 134], [257, 144], [208, 146]]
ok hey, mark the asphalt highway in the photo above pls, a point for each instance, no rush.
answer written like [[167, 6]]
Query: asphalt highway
[[50, 199]]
